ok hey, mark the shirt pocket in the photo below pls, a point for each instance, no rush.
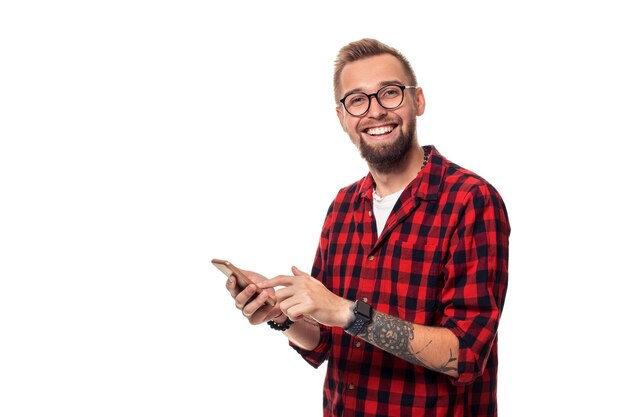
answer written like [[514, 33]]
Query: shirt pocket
[[415, 293]]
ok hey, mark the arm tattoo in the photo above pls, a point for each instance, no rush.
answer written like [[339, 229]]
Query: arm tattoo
[[394, 335]]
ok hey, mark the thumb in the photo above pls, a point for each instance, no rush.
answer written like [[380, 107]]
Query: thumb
[[296, 271]]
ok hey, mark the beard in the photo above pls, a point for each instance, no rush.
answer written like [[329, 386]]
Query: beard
[[385, 158]]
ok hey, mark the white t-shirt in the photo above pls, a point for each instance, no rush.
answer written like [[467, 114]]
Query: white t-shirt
[[382, 208]]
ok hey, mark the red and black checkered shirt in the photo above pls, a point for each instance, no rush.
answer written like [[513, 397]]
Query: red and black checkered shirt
[[442, 260]]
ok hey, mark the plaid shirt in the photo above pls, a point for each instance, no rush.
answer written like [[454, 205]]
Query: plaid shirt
[[440, 261]]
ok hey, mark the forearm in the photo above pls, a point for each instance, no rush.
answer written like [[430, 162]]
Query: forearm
[[435, 348], [304, 334]]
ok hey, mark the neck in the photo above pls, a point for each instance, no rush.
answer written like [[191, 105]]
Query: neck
[[397, 178]]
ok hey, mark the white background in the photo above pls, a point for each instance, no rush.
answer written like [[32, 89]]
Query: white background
[[141, 139]]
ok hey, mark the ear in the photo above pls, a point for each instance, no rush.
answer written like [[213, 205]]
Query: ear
[[420, 101], [341, 116]]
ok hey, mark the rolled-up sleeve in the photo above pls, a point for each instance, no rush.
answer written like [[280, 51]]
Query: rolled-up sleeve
[[476, 279], [317, 356]]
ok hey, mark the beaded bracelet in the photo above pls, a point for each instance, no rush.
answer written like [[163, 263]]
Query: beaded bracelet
[[280, 327]]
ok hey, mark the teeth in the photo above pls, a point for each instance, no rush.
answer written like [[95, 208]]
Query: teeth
[[379, 130]]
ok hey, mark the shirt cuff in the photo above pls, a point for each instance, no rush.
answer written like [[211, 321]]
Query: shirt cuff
[[317, 356], [470, 366]]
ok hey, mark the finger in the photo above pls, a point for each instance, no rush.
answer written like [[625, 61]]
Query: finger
[[295, 307], [284, 294], [231, 286], [244, 296], [284, 280], [288, 303], [251, 307], [294, 312], [296, 271], [263, 313]]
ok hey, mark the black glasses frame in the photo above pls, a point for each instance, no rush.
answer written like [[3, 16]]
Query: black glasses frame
[[369, 99]]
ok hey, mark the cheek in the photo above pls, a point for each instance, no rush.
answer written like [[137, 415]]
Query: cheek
[[345, 126], [349, 126], [408, 122], [353, 132]]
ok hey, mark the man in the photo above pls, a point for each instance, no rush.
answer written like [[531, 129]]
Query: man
[[410, 276]]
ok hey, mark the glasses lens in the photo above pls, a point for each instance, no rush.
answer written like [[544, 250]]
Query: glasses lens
[[356, 104], [390, 97]]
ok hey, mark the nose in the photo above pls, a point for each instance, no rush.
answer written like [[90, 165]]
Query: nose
[[376, 110]]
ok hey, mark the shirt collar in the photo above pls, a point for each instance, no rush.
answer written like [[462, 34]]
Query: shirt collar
[[426, 184]]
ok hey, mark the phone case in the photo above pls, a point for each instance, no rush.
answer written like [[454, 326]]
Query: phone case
[[229, 269]]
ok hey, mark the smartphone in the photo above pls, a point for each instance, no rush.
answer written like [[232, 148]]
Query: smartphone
[[243, 281]]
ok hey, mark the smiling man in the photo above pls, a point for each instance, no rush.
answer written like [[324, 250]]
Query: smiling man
[[410, 276], [386, 139]]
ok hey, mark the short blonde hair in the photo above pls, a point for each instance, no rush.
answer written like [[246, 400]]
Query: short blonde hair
[[366, 48]]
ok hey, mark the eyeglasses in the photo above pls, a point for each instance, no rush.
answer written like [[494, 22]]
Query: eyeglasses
[[389, 97]]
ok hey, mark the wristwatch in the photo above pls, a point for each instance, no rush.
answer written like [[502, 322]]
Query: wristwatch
[[363, 317]]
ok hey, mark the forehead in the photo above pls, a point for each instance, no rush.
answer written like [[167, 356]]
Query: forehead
[[369, 73]]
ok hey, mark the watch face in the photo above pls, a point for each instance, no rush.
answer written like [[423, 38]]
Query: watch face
[[363, 309]]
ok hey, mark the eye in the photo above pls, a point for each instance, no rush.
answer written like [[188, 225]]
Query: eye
[[356, 100], [390, 92]]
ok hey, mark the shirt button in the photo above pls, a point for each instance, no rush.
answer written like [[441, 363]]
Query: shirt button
[[357, 344], [370, 258], [365, 299], [350, 386], [369, 213]]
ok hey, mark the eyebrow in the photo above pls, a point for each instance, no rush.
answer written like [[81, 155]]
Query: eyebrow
[[380, 85]]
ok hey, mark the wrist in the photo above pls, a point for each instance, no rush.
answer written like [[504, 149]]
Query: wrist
[[347, 315], [362, 318], [280, 319], [281, 325]]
